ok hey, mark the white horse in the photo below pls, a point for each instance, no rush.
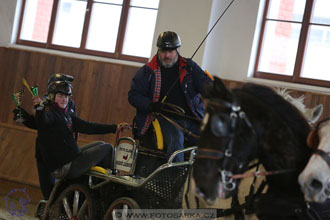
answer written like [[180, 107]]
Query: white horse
[[315, 179]]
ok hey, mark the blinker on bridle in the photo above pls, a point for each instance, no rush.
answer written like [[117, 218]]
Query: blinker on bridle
[[235, 114], [217, 130]]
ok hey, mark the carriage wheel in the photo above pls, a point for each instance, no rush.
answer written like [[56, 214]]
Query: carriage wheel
[[123, 204], [75, 202]]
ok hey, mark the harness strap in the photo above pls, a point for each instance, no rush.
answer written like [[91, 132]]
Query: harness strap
[[180, 127], [249, 198], [324, 155], [180, 114], [312, 213], [207, 153], [235, 203], [187, 192]]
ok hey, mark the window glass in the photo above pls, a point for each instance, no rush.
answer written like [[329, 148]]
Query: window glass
[[320, 13], [103, 27], [145, 3], [69, 23], [36, 20], [120, 2], [316, 63], [279, 49], [288, 31], [113, 27], [139, 32], [289, 10]]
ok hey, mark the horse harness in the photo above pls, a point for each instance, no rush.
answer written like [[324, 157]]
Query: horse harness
[[314, 135], [324, 155], [236, 113]]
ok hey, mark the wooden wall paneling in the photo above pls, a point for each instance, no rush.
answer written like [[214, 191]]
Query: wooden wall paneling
[[125, 83], [3, 70], [4, 149], [98, 107], [3, 82], [17, 68], [81, 89], [110, 100], [326, 106], [100, 93], [128, 113], [17, 149], [6, 102]]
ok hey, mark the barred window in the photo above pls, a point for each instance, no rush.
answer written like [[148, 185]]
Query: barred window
[[121, 29], [294, 44]]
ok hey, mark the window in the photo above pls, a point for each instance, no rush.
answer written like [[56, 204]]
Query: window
[[121, 29], [294, 43]]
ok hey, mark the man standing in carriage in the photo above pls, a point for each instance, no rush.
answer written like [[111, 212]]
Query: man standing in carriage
[[169, 79]]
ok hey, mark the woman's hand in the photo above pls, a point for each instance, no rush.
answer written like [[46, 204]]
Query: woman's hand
[[36, 100], [123, 126]]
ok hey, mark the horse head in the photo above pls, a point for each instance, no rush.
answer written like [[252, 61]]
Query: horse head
[[315, 179], [226, 143], [242, 125]]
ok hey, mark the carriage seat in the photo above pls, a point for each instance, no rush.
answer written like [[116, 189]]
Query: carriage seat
[[149, 139], [99, 169]]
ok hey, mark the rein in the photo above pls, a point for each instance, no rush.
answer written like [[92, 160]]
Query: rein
[[261, 173], [180, 112], [324, 155], [179, 126], [207, 153]]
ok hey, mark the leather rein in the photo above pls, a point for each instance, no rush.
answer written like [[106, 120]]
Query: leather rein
[[180, 112]]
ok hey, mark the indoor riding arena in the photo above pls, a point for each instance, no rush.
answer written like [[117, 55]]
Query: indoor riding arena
[[102, 47]]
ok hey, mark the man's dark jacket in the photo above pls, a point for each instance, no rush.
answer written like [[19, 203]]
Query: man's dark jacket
[[145, 87]]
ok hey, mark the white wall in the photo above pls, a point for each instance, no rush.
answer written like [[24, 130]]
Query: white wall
[[228, 47], [7, 14], [188, 18]]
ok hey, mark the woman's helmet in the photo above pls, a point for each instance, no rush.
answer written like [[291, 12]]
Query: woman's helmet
[[60, 83], [168, 40]]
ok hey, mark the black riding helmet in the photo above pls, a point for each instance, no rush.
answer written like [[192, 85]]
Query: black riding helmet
[[60, 83], [168, 40]]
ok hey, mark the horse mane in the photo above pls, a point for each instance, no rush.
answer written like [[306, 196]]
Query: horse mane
[[293, 118], [298, 102]]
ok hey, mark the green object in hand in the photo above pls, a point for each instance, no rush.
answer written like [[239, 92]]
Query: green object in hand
[[34, 90], [18, 96], [15, 99]]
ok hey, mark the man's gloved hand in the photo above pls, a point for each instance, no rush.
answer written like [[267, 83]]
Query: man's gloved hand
[[156, 107]]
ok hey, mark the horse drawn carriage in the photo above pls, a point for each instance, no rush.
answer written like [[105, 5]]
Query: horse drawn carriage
[[142, 178]]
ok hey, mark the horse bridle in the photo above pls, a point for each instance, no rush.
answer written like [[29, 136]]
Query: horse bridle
[[235, 114], [324, 155]]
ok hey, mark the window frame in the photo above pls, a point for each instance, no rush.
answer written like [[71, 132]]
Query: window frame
[[82, 49], [295, 78]]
